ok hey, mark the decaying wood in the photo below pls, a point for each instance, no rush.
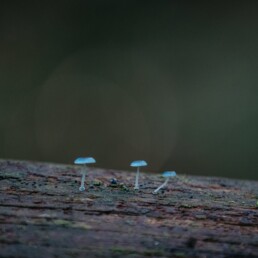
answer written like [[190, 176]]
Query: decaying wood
[[43, 214]]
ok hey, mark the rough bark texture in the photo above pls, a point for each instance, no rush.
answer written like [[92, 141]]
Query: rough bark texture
[[43, 214]]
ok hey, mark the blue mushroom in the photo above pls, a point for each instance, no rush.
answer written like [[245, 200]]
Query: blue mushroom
[[83, 161], [167, 175], [138, 164]]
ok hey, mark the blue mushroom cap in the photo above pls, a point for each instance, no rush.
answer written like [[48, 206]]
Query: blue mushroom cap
[[84, 160], [169, 174], [138, 163]]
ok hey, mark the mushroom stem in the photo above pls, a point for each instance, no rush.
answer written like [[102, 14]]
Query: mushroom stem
[[163, 185], [82, 187], [136, 187]]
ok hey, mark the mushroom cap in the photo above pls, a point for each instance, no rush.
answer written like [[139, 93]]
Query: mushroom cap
[[139, 163], [169, 174], [84, 160]]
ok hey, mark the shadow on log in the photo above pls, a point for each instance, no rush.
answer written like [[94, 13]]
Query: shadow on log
[[43, 214]]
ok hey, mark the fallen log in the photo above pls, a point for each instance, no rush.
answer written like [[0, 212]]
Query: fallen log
[[43, 214]]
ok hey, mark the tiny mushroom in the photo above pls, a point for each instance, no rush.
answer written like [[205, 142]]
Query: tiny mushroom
[[84, 161], [167, 175], [138, 164], [113, 181]]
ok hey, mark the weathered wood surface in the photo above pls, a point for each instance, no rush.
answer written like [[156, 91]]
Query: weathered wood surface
[[43, 214]]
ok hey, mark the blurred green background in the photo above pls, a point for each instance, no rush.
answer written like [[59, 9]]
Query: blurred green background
[[172, 82]]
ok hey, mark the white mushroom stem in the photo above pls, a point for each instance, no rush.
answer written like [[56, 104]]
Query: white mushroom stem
[[82, 187], [136, 187], [163, 185]]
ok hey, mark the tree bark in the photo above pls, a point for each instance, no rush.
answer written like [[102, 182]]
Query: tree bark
[[43, 214]]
